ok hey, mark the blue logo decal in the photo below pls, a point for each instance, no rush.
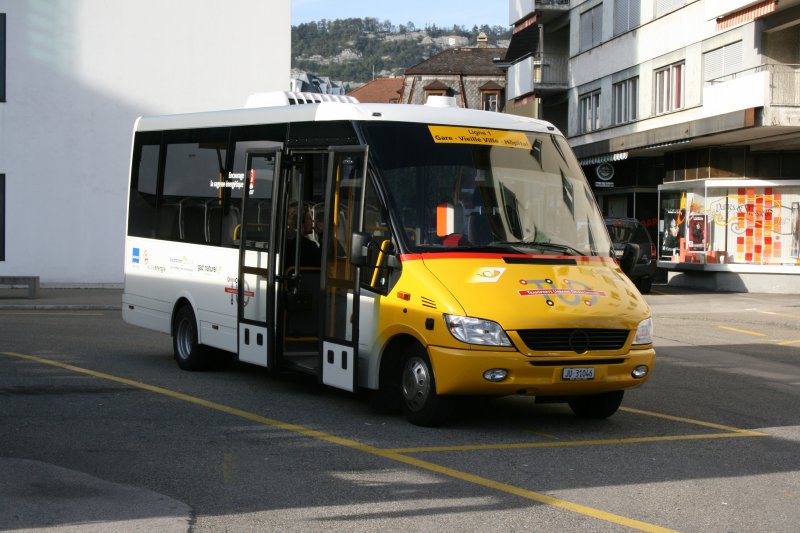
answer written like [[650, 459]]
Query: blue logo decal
[[135, 258]]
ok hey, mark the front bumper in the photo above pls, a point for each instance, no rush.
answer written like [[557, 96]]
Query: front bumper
[[461, 372]]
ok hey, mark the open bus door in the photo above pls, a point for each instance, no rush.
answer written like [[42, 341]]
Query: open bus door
[[347, 169], [256, 293]]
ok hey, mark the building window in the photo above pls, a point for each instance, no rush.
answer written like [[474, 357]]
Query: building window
[[2, 57], [490, 101], [2, 217], [665, 6], [723, 63], [589, 108], [435, 92], [626, 15], [626, 101], [591, 27], [670, 87]]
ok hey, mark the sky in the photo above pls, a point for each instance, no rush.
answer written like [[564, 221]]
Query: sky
[[467, 13]]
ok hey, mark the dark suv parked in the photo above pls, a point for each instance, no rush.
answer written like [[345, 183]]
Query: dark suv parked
[[625, 230]]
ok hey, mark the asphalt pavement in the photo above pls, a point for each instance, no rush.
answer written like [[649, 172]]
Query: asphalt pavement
[[33, 493]]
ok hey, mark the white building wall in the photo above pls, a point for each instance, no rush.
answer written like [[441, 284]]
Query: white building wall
[[78, 73], [682, 35]]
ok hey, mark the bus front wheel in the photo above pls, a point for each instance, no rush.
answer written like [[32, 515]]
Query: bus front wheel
[[189, 354], [596, 405], [421, 405]]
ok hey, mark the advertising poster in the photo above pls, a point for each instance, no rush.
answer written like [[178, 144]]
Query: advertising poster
[[698, 230], [796, 230], [671, 239]]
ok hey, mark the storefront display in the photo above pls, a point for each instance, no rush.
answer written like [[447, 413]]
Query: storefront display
[[710, 223]]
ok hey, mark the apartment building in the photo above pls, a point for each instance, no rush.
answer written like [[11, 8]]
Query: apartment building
[[684, 114], [74, 76]]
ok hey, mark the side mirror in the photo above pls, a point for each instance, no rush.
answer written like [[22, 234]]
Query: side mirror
[[630, 256], [359, 244]]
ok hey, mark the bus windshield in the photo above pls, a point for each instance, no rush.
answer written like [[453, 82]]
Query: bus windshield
[[463, 188]]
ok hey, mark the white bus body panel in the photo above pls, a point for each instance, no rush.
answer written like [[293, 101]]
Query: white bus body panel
[[159, 273]]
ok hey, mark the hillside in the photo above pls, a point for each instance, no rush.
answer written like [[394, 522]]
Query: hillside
[[355, 51]]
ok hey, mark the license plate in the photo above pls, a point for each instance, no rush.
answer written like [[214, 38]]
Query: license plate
[[577, 374]]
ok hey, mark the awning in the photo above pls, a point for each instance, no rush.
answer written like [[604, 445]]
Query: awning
[[605, 158], [746, 15], [523, 43]]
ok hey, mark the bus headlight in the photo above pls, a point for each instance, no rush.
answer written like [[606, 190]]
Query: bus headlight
[[476, 331], [644, 333]]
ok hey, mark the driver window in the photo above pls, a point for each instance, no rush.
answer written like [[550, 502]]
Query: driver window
[[375, 273]]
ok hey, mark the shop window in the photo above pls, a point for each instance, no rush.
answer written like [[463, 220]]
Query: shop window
[[766, 165], [669, 88], [726, 162], [751, 224], [589, 112]]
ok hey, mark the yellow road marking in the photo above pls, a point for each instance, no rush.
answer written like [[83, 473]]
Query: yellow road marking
[[386, 454], [781, 343], [712, 425], [776, 314], [744, 331], [566, 443]]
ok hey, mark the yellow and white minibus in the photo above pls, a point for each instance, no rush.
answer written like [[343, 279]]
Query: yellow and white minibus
[[422, 252]]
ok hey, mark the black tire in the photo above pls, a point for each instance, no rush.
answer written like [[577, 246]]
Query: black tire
[[421, 404], [188, 353], [645, 285], [596, 406]]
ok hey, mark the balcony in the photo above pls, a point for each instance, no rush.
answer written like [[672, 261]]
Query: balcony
[[540, 73], [784, 84], [520, 9], [770, 86]]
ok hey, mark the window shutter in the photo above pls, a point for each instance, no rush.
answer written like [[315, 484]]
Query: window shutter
[[597, 25], [634, 14], [732, 61], [713, 66], [586, 30], [621, 16]]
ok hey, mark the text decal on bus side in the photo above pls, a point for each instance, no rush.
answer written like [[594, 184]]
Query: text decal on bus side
[[460, 135]]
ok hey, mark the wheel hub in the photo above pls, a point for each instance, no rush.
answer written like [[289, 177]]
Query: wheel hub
[[416, 383]]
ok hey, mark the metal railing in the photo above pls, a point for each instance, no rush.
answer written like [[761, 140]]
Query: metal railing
[[551, 3], [550, 69]]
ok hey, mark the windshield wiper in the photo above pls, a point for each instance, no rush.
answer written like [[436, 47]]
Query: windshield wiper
[[546, 245]]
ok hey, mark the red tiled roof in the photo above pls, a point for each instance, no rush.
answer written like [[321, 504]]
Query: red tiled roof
[[379, 91]]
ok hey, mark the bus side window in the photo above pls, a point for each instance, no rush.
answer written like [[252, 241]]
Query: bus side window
[[142, 213], [192, 172]]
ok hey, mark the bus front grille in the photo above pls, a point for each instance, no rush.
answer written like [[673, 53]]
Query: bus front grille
[[573, 339]]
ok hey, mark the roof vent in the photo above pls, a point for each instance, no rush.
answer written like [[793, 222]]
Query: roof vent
[[281, 98], [441, 101]]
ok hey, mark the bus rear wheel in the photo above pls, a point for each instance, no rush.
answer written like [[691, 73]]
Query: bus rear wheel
[[421, 404], [596, 406], [188, 353]]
